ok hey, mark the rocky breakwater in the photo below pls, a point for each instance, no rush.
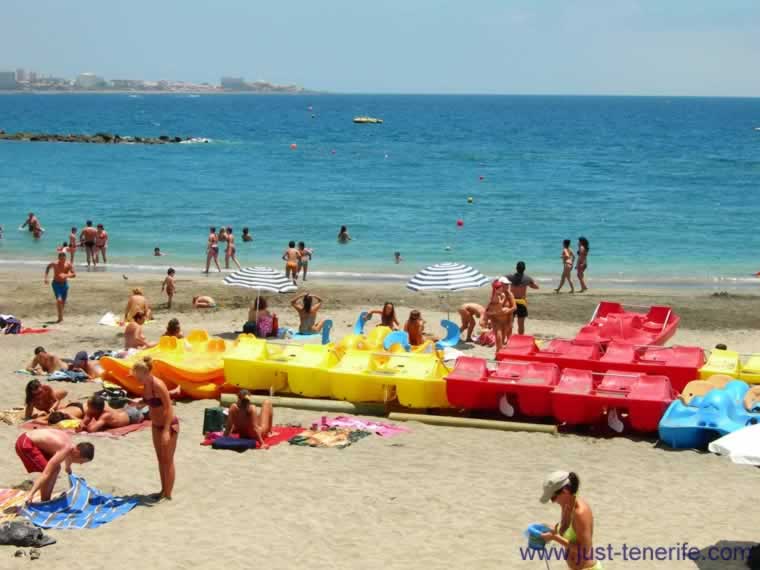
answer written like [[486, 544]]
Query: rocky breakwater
[[97, 138]]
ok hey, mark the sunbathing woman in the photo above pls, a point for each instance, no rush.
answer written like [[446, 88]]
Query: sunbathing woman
[[387, 316], [415, 328], [165, 423], [568, 259], [133, 334], [137, 303], [42, 397], [499, 310], [575, 531], [72, 411], [307, 313], [101, 417], [246, 422]]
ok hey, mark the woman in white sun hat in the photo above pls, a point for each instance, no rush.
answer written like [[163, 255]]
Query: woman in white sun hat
[[575, 530]]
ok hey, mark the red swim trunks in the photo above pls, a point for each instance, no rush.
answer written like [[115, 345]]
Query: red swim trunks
[[31, 456]]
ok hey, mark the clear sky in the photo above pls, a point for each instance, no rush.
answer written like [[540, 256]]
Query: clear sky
[[651, 47]]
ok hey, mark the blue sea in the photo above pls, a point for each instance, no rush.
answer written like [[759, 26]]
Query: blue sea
[[664, 188]]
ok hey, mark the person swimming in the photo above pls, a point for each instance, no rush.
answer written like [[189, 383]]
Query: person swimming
[[246, 235], [343, 236]]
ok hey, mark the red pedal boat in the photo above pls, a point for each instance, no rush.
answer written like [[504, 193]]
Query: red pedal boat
[[680, 364], [583, 397], [577, 397], [611, 321]]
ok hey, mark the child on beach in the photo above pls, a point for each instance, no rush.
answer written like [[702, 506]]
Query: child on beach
[[169, 286], [415, 328], [73, 244], [173, 329]]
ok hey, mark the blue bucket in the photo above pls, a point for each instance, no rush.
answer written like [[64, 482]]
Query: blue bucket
[[534, 532]]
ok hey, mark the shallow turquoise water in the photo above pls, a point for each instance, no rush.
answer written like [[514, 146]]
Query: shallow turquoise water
[[664, 188]]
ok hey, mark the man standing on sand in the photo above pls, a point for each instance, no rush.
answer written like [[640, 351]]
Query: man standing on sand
[[88, 237], [62, 272], [44, 451], [520, 283]]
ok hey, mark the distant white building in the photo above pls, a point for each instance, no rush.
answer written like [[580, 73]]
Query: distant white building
[[21, 74], [8, 80], [89, 81]]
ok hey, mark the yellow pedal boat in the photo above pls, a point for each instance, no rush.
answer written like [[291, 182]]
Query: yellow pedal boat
[[119, 370]]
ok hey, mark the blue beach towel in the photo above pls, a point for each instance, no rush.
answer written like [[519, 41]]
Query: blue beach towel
[[81, 506]]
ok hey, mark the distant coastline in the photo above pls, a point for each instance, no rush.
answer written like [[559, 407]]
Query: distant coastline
[[151, 92]]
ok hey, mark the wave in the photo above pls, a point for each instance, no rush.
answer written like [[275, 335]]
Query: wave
[[643, 282]]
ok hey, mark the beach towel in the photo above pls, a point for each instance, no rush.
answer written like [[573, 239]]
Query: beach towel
[[381, 429], [34, 331], [10, 501], [68, 376], [279, 434], [339, 438], [109, 320], [82, 506]]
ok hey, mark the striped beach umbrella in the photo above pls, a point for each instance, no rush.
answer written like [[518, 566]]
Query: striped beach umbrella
[[262, 279], [447, 277]]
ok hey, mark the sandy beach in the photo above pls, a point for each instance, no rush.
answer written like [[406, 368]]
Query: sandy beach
[[436, 497]]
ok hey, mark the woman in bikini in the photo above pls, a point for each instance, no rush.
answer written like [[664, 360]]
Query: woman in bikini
[[307, 311], [582, 265], [231, 251], [568, 259], [44, 398], [212, 250], [165, 423], [575, 531], [387, 316], [499, 311]]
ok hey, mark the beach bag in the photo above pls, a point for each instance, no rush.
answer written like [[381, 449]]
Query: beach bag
[[233, 443], [11, 325], [213, 419], [115, 397], [487, 338], [275, 325]]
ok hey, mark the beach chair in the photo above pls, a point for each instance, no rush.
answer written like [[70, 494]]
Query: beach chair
[[397, 337], [364, 316], [452, 335], [325, 334]]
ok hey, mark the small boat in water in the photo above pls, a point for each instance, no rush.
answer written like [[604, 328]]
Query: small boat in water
[[368, 120]]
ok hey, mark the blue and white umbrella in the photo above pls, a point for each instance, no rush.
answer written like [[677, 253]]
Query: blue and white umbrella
[[447, 277], [262, 279]]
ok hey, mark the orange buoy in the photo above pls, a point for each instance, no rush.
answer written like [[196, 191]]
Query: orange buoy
[[460, 223], [293, 146]]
